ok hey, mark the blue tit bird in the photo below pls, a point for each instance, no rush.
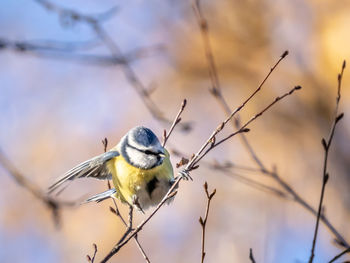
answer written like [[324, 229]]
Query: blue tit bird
[[139, 166]]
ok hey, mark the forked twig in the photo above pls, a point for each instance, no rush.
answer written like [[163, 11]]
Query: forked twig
[[326, 145], [243, 128], [175, 122], [203, 222], [118, 214], [92, 259], [340, 255]]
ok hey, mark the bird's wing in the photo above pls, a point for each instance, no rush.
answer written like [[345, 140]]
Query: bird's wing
[[95, 167], [101, 196]]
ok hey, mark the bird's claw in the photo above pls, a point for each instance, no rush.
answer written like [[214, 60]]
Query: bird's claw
[[185, 174], [136, 203]]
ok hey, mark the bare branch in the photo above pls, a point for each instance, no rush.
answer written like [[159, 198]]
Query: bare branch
[[248, 181], [92, 259], [21, 180], [243, 128], [203, 222], [326, 146], [251, 256], [119, 245], [118, 214], [175, 122], [340, 255], [68, 51]]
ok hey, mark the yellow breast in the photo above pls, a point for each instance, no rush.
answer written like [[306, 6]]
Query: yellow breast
[[131, 182]]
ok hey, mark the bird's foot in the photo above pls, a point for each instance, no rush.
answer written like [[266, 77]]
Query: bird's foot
[[185, 174], [136, 203]]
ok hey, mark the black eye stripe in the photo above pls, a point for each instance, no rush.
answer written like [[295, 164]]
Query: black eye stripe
[[149, 152], [143, 151]]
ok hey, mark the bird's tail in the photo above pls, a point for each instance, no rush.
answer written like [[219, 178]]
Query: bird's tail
[[101, 196]]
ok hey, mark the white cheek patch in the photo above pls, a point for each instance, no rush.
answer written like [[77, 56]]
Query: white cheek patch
[[140, 159], [136, 157]]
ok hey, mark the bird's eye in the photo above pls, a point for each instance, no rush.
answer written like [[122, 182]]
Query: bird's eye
[[149, 152]]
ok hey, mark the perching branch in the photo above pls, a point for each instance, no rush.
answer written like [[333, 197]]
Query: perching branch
[[175, 122], [116, 211], [326, 145], [203, 222], [193, 164]]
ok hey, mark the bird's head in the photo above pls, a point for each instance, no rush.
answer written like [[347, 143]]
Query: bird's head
[[141, 148]]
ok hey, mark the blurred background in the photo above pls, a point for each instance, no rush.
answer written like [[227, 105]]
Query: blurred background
[[56, 106]]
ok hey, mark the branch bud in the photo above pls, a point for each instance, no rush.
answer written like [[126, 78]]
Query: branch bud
[[324, 144], [285, 53], [339, 117], [326, 177], [201, 221], [212, 194]]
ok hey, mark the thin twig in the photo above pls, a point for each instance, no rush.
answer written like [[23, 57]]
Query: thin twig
[[228, 169], [340, 255], [251, 256], [203, 24], [216, 89], [92, 259], [68, 52], [118, 214], [203, 222], [248, 181], [326, 146], [216, 92], [175, 122], [243, 128], [94, 22], [119, 245], [54, 205]]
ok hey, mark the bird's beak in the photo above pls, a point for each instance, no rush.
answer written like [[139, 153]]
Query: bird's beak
[[162, 155]]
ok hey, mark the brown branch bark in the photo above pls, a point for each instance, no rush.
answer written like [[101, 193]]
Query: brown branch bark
[[203, 222], [251, 256], [116, 211], [340, 255], [54, 205], [325, 175]]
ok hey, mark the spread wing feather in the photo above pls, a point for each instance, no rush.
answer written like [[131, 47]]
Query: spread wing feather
[[101, 196], [95, 167]]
